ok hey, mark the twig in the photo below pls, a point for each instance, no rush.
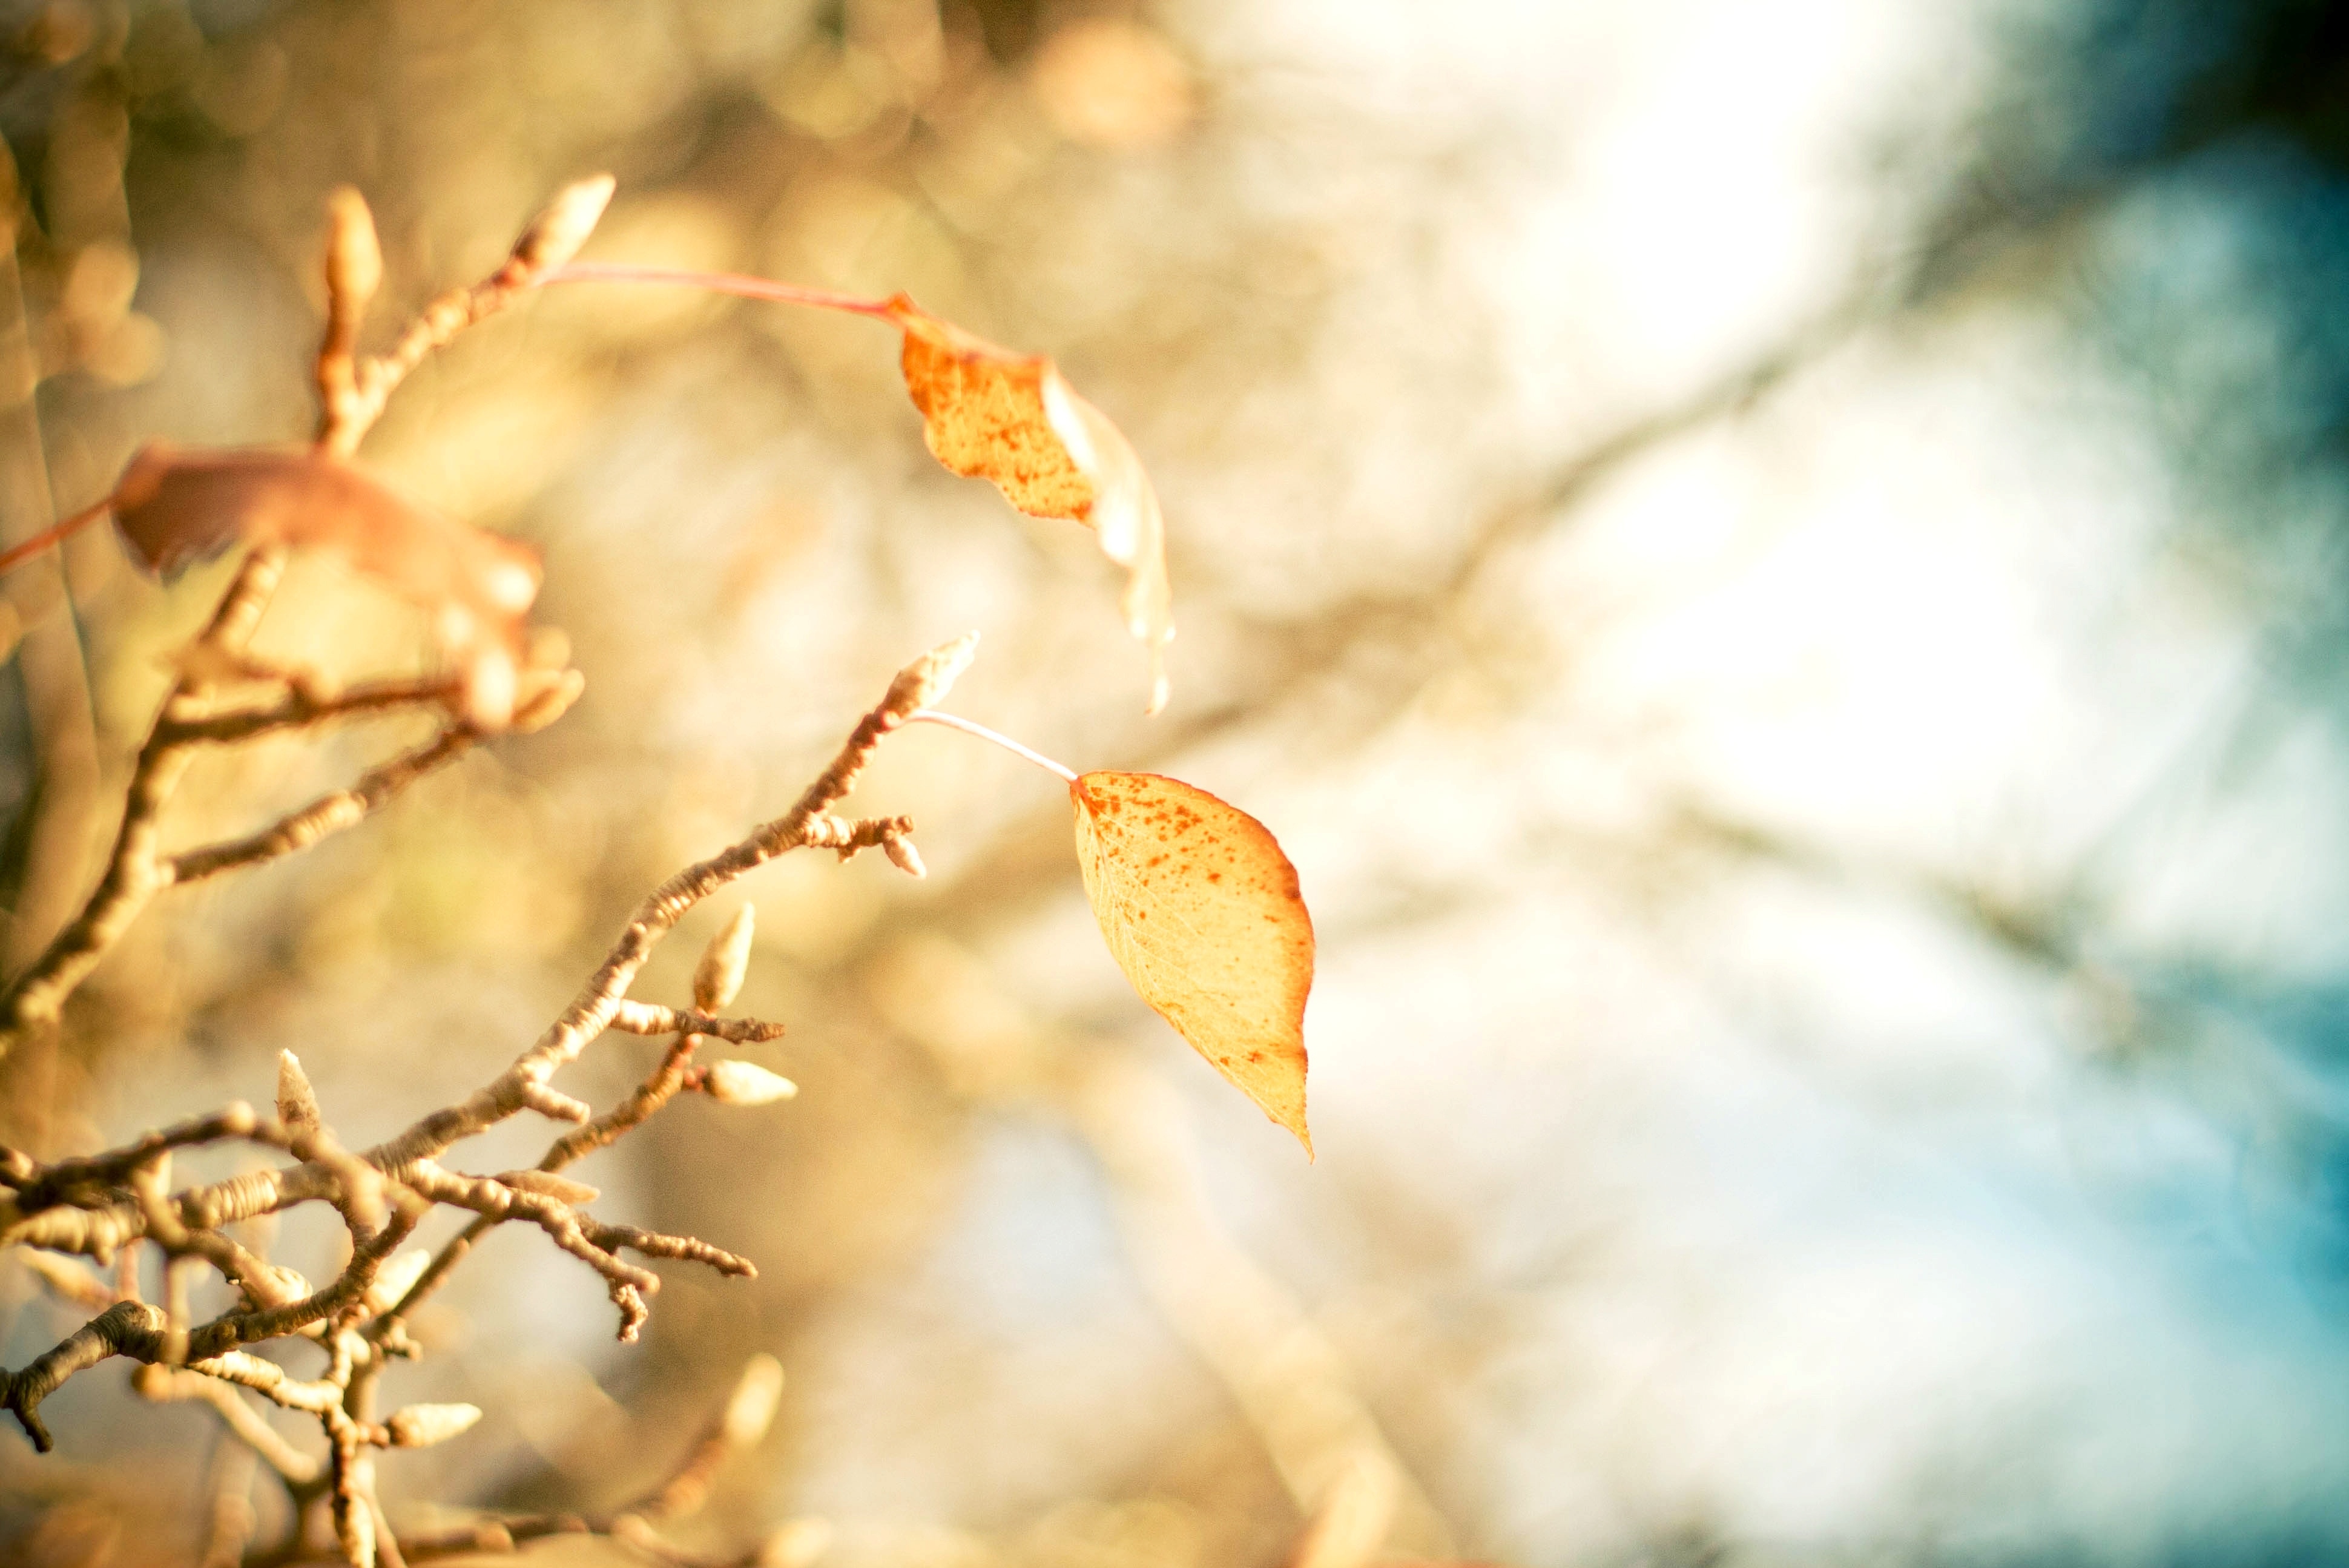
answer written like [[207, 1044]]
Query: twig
[[644, 1018], [127, 1327], [301, 708], [591, 1012], [232, 1519], [749, 1411], [322, 818], [25, 549]]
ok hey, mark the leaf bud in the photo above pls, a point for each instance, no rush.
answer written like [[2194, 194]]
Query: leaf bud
[[354, 258], [732, 1082], [750, 1408], [547, 1184], [902, 854], [718, 978], [925, 681], [281, 1284], [555, 235], [543, 699], [796, 1544], [396, 1278], [298, 1103], [421, 1426]]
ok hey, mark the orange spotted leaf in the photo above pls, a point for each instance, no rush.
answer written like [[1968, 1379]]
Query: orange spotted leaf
[[1200, 908], [988, 413], [175, 507]]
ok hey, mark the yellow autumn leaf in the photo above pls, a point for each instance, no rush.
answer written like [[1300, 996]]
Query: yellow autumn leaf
[[1200, 908], [1009, 418]]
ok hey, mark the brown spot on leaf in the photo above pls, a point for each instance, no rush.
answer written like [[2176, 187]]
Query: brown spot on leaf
[[1229, 966], [988, 413]]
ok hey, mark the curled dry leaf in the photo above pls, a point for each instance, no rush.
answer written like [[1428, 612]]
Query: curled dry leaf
[[1200, 908], [988, 413], [175, 507]]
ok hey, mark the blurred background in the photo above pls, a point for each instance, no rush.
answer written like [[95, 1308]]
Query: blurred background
[[1778, 570]]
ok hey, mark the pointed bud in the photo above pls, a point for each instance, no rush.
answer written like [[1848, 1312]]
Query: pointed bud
[[555, 235], [795, 1545], [283, 1285], [903, 856], [354, 258], [543, 699], [925, 681], [298, 1103], [732, 1082], [421, 1426], [547, 1184], [396, 1278], [750, 1408], [718, 978]]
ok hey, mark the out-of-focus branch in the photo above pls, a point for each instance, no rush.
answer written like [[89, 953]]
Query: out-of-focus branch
[[1290, 1383], [322, 818], [1287, 1378], [166, 1385], [747, 1412], [301, 708], [353, 393], [231, 1518]]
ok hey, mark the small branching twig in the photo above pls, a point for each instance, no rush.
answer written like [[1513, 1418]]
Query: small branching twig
[[322, 818], [102, 1204], [353, 393]]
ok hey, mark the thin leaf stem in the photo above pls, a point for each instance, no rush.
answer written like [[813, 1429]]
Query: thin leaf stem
[[931, 715], [55, 533], [721, 283]]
